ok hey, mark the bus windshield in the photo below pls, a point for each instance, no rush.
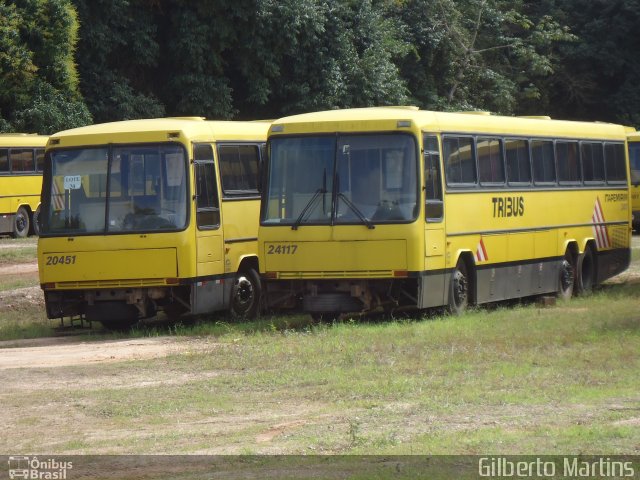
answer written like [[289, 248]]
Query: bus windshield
[[119, 190], [634, 160], [342, 179]]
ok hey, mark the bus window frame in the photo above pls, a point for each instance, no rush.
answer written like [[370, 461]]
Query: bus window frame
[[502, 151], [527, 149], [568, 183], [460, 185], [582, 159], [624, 181], [201, 162], [535, 182], [438, 167], [230, 194], [46, 189]]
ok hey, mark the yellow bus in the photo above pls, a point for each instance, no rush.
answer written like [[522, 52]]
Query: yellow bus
[[151, 215], [634, 165], [21, 160], [390, 208]]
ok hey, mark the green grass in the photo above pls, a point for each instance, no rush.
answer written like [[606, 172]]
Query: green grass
[[507, 380], [24, 254], [512, 380]]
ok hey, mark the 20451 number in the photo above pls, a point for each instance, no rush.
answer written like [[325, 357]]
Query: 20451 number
[[289, 249], [61, 259]]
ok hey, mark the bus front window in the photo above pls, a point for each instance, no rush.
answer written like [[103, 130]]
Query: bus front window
[[375, 177], [127, 189], [300, 180], [76, 191], [634, 160]]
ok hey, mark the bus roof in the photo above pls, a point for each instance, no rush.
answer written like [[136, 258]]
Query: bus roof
[[388, 118], [22, 140], [161, 130]]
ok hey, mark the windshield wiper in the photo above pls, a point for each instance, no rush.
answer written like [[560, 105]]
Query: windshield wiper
[[357, 211], [309, 204], [321, 191]]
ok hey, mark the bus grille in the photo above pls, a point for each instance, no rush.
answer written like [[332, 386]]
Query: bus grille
[[337, 274], [128, 283]]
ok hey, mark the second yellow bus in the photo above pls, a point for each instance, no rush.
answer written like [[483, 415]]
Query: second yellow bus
[[151, 215]]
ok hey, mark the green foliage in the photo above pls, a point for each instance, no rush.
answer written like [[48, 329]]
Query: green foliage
[[477, 54], [267, 58], [38, 77]]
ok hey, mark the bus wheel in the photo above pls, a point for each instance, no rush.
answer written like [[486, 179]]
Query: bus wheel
[[245, 294], [566, 278], [586, 273], [459, 289], [35, 226], [21, 223]]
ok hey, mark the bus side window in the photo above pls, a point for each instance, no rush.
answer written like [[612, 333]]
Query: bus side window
[[432, 180], [40, 159], [518, 164], [460, 162], [592, 162], [615, 163], [544, 166], [207, 203], [490, 161], [22, 160], [239, 169], [4, 160], [568, 162]]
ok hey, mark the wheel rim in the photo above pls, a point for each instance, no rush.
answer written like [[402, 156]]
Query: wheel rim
[[244, 294], [566, 275], [460, 289]]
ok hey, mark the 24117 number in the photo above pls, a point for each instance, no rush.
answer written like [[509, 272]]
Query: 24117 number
[[282, 249]]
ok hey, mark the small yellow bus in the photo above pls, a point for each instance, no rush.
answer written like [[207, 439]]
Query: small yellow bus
[[151, 215], [391, 208], [21, 160], [634, 166]]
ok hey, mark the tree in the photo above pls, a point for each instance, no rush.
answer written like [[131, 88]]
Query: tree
[[117, 58], [37, 69], [598, 75], [477, 54]]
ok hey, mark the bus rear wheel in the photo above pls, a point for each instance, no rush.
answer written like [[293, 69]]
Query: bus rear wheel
[[246, 294], [586, 272], [459, 289], [566, 279], [21, 223], [35, 219]]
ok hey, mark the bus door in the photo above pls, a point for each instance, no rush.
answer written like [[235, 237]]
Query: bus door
[[208, 289], [433, 279]]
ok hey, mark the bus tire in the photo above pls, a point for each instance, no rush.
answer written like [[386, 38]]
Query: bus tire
[[586, 272], [35, 225], [459, 289], [567, 276], [245, 294], [21, 223]]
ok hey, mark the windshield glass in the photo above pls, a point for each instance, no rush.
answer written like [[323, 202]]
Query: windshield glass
[[634, 160], [127, 189], [345, 179]]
